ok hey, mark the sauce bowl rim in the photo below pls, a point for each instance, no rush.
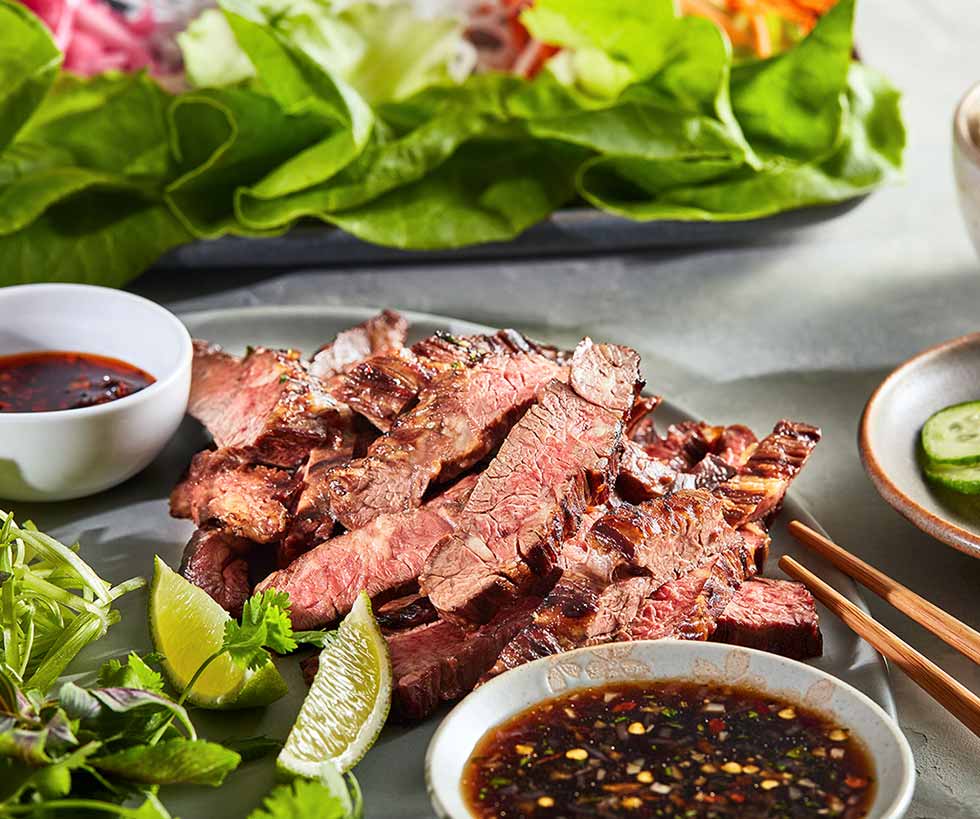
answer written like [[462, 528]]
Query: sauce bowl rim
[[895, 808]]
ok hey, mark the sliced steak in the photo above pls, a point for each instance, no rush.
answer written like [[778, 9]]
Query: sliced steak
[[688, 608], [386, 385], [265, 406], [461, 417], [757, 491], [441, 662], [220, 490], [558, 460], [642, 477], [629, 553], [381, 558], [217, 562], [405, 612], [379, 335], [772, 615]]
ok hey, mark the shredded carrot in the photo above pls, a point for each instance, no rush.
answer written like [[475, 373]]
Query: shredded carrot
[[744, 21], [760, 29]]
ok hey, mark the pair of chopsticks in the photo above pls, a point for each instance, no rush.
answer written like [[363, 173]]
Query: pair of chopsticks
[[952, 695]]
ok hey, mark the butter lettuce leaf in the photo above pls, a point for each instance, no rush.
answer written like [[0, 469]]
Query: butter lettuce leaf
[[364, 116]]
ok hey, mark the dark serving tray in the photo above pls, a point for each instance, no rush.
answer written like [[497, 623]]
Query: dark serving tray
[[571, 231]]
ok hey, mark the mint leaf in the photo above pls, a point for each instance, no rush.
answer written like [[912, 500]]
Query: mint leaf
[[302, 799], [174, 762], [134, 674]]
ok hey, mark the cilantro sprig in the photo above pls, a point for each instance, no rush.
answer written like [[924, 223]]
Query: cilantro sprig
[[264, 627]]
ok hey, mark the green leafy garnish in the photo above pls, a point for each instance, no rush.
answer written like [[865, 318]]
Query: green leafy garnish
[[308, 799], [52, 604], [264, 625]]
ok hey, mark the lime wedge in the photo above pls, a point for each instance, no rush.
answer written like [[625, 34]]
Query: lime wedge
[[187, 627], [348, 702]]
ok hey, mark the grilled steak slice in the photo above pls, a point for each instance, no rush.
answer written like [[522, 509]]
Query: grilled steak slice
[[772, 615], [265, 406], [642, 477], [313, 521], [381, 558], [598, 599], [558, 460], [379, 335], [246, 500], [757, 491], [406, 612], [217, 562], [688, 608], [643, 408], [441, 662], [461, 416], [384, 386]]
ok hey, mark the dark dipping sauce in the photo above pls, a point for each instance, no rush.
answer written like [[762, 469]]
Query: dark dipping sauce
[[676, 749], [52, 380]]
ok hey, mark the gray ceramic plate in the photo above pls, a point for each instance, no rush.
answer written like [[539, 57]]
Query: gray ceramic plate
[[121, 530], [889, 439]]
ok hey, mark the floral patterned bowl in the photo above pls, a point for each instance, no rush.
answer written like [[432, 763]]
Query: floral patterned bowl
[[641, 661]]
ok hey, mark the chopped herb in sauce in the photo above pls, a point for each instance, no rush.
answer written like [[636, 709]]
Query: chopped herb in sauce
[[680, 750]]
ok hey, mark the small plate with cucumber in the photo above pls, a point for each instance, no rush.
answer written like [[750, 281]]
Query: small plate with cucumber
[[920, 441]]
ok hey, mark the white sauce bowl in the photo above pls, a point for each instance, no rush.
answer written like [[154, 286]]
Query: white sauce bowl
[[50, 456], [651, 660]]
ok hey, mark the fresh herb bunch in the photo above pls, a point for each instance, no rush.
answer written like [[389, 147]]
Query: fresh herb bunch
[[52, 604], [90, 750], [106, 750]]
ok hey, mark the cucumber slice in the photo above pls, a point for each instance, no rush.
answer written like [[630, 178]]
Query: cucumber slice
[[952, 435], [962, 478]]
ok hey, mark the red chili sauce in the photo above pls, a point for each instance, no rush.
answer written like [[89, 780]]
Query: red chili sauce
[[668, 749], [54, 380]]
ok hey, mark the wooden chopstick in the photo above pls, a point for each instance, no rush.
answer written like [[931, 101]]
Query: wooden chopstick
[[928, 615], [953, 696]]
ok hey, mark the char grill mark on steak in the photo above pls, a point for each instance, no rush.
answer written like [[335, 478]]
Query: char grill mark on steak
[[772, 615], [265, 406], [461, 416], [384, 386], [757, 491], [222, 491], [405, 612], [441, 662], [382, 557], [629, 553], [217, 562], [690, 456], [380, 335], [556, 462]]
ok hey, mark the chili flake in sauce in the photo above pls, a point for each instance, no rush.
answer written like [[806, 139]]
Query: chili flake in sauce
[[671, 749]]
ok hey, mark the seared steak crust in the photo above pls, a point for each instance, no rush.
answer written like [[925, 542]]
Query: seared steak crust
[[379, 335], [221, 490], [265, 406], [554, 464], [217, 562], [384, 386], [757, 491], [441, 662], [461, 416], [772, 615], [629, 553]]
